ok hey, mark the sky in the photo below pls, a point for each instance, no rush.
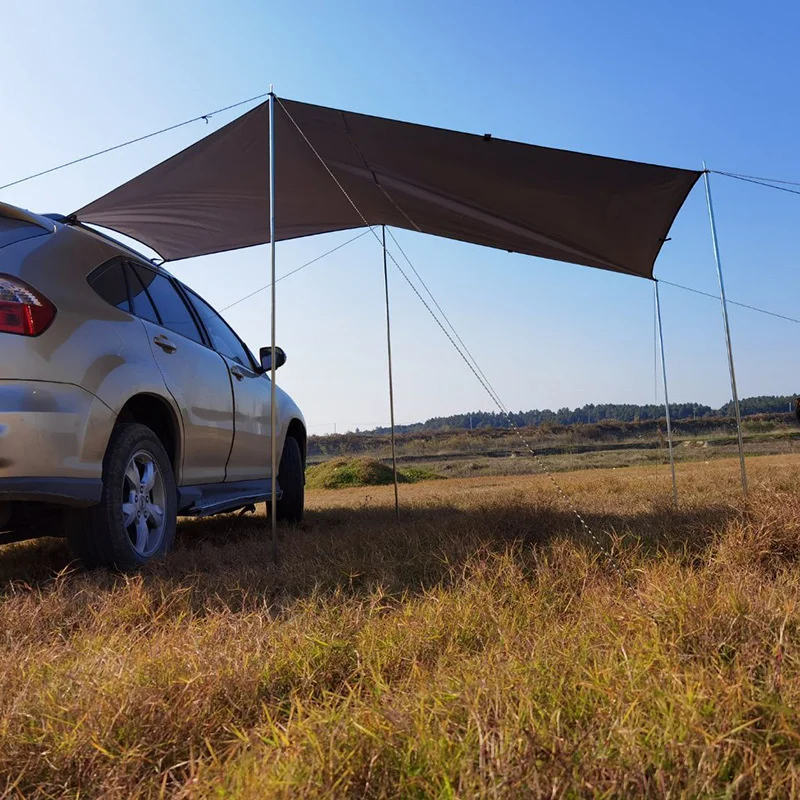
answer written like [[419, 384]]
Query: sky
[[672, 83]]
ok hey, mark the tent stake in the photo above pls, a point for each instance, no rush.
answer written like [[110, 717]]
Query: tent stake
[[273, 409], [666, 395], [391, 384], [727, 328]]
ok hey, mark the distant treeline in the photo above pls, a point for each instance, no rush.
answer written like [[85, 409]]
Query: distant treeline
[[621, 412]]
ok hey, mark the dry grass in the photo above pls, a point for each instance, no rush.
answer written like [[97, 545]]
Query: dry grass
[[480, 647]]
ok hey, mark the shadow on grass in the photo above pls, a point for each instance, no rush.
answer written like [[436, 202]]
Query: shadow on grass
[[229, 558]]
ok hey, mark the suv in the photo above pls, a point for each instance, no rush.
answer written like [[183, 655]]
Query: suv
[[125, 399]]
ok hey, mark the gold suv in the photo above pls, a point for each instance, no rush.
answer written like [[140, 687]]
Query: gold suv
[[125, 399]]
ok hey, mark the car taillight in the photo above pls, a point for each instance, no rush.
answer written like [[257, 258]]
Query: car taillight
[[23, 310]]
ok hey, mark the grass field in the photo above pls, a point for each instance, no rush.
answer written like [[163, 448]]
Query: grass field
[[482, 646]]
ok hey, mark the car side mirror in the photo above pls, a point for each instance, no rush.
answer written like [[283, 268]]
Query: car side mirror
[[265, 354]]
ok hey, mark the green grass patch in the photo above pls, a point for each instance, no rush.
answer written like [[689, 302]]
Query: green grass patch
[[416, 474], [341, 473]]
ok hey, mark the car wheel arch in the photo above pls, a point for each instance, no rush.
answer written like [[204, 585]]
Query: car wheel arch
[[157, 414], [297, 431]]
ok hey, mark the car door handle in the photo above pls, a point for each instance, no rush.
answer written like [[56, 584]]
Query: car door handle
[[165, 344], [237, 373]]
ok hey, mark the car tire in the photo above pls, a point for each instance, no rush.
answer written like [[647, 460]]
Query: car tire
[[291, 479], [134, 522]]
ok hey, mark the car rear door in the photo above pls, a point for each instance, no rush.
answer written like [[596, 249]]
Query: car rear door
[[250, 455], [196, 375]]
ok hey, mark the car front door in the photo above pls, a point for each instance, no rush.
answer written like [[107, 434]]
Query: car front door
[[250, 455], [195, 375]]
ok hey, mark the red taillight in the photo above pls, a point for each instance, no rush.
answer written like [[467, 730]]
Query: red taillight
[[22, 309]]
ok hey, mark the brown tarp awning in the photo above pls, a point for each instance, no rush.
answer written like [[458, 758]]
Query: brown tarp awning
[[213, 196]]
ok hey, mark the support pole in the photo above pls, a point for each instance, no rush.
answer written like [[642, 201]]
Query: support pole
[[666, 395], [273, 409], [727, 328], [391, 384]]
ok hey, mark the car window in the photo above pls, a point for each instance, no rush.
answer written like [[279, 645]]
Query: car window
[[172, 309], [109, 282], [142, 305], [224, 340]]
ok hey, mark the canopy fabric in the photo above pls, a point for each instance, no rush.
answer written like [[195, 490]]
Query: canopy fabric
[[214, 195]]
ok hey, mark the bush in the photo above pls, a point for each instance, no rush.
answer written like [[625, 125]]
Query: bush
[[340, 473]]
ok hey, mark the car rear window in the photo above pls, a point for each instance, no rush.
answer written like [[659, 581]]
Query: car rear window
[[109, 282], [142, 305], [174, 312], [16, 230]]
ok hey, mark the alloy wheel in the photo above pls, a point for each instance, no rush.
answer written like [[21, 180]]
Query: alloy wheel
[[143, 503]]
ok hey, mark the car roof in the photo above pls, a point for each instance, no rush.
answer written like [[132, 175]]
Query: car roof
[[52, 223], [123, 248]]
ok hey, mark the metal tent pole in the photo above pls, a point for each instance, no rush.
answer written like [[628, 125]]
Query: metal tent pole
[[391, 383], [273, 410], [666, 395], [727, 328]]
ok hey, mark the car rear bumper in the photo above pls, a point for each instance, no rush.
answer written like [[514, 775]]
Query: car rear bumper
[[53, 438]]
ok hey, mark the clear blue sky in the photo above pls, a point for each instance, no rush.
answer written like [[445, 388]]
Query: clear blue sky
[[671, 83]]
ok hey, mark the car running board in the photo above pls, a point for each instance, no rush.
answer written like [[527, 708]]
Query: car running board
[[218, 498]]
